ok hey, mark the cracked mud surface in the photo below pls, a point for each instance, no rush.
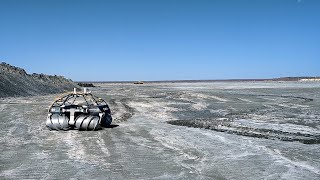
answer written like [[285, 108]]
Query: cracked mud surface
[[172, 131]]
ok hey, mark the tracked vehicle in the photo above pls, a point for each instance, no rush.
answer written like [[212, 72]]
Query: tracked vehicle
[[78, 110]]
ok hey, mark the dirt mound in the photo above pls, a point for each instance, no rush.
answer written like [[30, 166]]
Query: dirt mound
[[14, 81]]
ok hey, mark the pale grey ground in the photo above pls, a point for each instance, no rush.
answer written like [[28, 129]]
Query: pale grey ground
[[265, 127]]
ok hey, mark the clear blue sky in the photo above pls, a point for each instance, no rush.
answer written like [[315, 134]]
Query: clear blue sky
[[162, 39]]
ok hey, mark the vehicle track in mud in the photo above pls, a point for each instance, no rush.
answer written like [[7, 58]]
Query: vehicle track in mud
[[226, 127], [121, 111], [231, 122]]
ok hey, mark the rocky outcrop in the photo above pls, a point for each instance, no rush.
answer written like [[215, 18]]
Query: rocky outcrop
[[15, 81]]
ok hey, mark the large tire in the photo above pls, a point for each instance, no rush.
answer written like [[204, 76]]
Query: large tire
[[58, 122], [87, 123]]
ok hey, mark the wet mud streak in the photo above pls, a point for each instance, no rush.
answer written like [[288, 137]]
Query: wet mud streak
[[129, 110], [228, 122], [124, 111], [281, 96], [247, 131]]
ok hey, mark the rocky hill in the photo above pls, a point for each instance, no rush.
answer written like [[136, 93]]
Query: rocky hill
[[14, 81]]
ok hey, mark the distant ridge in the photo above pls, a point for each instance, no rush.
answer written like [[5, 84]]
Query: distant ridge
[[217, 80], [14, 81]]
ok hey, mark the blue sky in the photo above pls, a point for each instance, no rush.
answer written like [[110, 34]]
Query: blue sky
[[111, 40]]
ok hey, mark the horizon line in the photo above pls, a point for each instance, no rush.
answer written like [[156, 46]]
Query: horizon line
[[289, 78]]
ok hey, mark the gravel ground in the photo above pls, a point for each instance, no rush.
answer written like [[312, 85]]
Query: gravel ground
[[172, 131]]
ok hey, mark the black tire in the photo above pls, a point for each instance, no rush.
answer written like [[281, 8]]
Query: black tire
[[58, 122], [87, 123]]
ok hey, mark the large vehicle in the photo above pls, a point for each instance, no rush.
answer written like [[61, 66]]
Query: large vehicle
[[79, 110]]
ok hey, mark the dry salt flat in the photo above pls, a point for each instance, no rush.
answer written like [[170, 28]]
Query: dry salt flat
[[243, 130]]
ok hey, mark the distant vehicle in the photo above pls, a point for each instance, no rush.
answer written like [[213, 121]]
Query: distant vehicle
[[81, 111], [138, 82], [86, 84]]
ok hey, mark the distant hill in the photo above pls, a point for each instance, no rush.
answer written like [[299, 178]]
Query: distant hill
[[307, 78], [14, 81]]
